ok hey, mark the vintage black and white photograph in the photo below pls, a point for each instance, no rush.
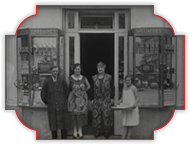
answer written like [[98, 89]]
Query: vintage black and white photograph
[[95, 72]]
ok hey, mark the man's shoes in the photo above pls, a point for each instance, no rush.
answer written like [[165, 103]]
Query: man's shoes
[[106, 135], [63, 134], [97, 134]]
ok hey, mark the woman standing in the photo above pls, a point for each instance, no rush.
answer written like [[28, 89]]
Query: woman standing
[[78, 100], [102, 92], [130, 116]]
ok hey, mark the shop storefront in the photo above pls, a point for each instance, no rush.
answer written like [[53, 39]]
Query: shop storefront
[[114, 35]]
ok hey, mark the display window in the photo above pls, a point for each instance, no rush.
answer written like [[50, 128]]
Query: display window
[[37, 51], [151, 62]]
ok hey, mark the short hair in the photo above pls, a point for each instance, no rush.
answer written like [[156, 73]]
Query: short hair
[[101, 64], [74, 66], [129, 76], [53, 66]]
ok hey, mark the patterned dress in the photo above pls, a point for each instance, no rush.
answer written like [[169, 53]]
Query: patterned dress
[[102, 92], [78, 101]]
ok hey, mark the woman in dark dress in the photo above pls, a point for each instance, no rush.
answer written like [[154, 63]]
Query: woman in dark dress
[[78, 101], [103, 91]]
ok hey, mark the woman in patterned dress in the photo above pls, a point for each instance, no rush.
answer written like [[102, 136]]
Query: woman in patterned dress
[[78, 101], [102, 92]]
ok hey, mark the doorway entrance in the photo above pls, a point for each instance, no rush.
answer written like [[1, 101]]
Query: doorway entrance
[[93, 49]]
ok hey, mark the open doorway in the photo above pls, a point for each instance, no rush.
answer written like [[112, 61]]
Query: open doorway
[[93, 49], [96, 48]]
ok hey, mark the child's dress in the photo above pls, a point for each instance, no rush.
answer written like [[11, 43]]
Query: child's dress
[[130, 116]]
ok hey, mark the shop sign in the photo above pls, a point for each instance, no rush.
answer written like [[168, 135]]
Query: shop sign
[[152, 31], [43, 31], [22, 32], [146, 68], [44, 68]]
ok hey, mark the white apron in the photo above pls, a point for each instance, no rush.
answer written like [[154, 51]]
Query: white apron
[[130, 116]]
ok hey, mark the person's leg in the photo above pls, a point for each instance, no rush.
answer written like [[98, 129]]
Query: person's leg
[[129, 131], [80, 131], [64, 133], [124, 132], [75, 130], [54, 134], [98, 130], [74, 126], [105, 126]]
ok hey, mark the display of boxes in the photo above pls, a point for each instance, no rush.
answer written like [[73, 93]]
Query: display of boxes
[[152, 49], [141, 48], [146, 48]]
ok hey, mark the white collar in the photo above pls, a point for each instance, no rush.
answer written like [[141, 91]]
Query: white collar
[[75, 78], [54, 79]]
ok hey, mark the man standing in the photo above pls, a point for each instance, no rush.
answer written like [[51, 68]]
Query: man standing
[[54, 94]]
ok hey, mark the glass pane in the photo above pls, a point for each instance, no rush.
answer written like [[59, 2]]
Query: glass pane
[[122, 21], [23, 81], [71, 19], [44, 55], [169, 71], [97, 22], [121, 64], [61, 55], [147, 72], [71, 52], [130, 57]]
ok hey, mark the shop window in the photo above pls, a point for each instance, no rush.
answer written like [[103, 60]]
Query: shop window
[[146, 70], [154, 65], [37, 51], [169, 68], [23, 76]]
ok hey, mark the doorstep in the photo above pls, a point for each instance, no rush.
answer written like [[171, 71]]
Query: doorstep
[[100, 137]]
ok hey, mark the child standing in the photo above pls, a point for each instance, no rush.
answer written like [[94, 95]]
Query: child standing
[[130, 117]]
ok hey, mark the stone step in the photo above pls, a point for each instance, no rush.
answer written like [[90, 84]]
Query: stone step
[[100, 137]]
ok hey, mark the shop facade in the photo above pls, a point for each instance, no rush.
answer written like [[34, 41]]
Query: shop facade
[[130, 40]]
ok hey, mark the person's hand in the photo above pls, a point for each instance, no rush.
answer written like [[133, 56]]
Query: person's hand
[[134, 106], [119, 102], [112, 101]]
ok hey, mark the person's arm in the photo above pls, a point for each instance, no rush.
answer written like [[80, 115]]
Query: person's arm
[[136, 97], [66, 89], [87, 84], [112, 90], [92, 90], [121, 99], [70, 84], [44, 92]]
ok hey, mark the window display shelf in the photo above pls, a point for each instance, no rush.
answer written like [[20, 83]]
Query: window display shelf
[[37, 52]]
